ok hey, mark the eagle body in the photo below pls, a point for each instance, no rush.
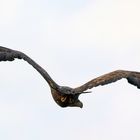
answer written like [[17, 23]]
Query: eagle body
[[65, 96], [64, 100]]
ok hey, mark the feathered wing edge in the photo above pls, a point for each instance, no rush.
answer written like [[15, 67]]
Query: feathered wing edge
[[7, 54], [132, 77]]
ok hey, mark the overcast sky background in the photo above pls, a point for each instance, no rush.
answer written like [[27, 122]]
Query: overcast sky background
[[74, 41]]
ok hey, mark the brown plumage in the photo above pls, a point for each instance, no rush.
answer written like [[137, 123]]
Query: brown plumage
[[66, 96]]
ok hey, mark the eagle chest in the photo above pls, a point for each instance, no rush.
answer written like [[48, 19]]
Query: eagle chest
[[61, 100]]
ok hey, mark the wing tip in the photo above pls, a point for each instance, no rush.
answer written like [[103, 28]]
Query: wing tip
[[134, 81]]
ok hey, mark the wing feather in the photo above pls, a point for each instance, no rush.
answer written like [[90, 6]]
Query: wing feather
[[132, 77], [7, 54]]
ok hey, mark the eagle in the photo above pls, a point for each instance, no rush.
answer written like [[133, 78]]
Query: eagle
[[66, 96]]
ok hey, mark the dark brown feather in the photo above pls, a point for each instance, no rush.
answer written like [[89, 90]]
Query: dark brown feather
[[132, 77], [66, 96], [7, 54]]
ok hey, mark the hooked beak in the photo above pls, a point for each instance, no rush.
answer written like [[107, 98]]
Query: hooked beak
[[78, 103]]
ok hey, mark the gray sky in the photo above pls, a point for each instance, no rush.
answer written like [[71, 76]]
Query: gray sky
[[74, 41]]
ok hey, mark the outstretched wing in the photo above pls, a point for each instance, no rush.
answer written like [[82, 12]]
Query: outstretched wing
[[132, 77], [7, 54]]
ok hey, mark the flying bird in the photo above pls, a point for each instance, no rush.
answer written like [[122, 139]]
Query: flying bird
[[66, 96]]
